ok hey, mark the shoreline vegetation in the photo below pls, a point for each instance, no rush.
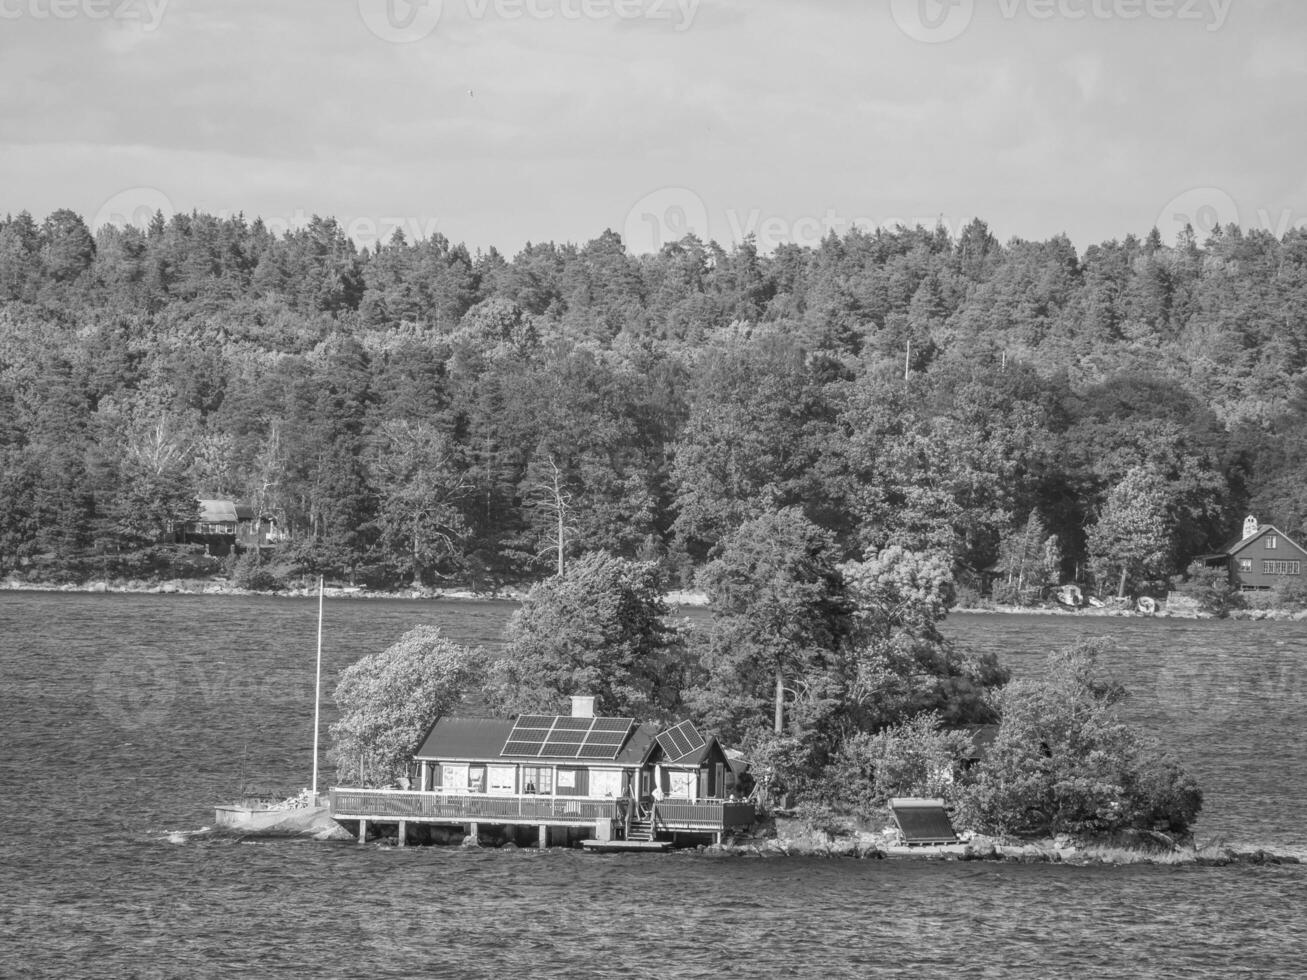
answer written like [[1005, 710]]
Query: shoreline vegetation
[[677, 598]]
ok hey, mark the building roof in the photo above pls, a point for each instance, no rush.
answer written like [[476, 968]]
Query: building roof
[[628, 743], [1237, 545], [470, 739], [224, 512]]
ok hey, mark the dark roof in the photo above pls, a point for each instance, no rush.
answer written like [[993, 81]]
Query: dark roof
[[466, 738], [484, 740], [1237, 545], [637, 747]]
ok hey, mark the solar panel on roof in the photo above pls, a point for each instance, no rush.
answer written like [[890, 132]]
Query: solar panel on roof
[[681, 740], [622, 725], [564, 724]]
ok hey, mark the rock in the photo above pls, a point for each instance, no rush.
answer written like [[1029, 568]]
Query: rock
[[98, 587]]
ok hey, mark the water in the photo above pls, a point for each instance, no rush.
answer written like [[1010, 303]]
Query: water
[[125, 718]]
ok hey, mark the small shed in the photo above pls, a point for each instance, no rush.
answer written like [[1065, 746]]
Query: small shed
[[1261, 558], [224, 525]]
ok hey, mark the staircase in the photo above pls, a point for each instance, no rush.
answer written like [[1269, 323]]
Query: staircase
[[640, 830]]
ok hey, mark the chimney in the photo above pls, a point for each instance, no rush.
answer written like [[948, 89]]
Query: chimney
[[1250, 527], [583, 706]]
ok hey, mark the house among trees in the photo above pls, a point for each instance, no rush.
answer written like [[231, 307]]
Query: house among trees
[[225, 525], [611, 779], [1262, 558]]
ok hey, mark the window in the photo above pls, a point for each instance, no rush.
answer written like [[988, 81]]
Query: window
[[537, 779], [1272, 542], [680, 784], [605, 782], [1282, 568], [1245, 564], [453, 778], [476, 779], [502, 779]]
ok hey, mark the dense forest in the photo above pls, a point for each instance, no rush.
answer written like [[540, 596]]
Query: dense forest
[[416, 412]]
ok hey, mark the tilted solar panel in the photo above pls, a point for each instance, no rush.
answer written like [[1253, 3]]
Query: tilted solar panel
[[564, 724]]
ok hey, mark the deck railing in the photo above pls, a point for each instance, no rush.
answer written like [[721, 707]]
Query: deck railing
[[395, 804]]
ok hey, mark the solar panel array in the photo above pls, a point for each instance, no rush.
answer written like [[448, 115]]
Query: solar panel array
[[680, 740], [562, 737]]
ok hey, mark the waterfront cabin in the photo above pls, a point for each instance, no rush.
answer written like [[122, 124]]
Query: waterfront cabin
[[224, 526], [613, 780], [1262, 558]]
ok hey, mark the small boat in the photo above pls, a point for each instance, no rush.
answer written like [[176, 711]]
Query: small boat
[[1147, 605], [1069, 596]]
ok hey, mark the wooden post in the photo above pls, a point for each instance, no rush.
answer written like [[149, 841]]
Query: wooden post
[[544, 836], [403, 833], [363, 831], [473, 835]]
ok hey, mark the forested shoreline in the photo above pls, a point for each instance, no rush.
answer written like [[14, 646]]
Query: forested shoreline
[[419, 413]]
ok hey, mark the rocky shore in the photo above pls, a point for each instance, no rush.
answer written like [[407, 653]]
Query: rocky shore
[[798, 840]]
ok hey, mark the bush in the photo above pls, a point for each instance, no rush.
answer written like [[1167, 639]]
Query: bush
[[915, 758], [250, 572], [1062, 761], [1291, 594], [1211, 589]]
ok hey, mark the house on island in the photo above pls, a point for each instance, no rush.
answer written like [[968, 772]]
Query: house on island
[[610, 782], [224, 526], [1262, 558]]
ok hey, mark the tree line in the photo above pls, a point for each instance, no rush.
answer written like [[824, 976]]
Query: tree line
[[415, 412]]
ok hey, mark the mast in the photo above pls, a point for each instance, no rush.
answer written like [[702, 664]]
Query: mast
[[317, 696]]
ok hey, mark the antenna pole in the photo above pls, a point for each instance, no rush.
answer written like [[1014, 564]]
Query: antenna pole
[[317, 696]]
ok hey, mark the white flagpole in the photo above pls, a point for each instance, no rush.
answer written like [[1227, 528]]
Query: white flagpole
[[317, 696]]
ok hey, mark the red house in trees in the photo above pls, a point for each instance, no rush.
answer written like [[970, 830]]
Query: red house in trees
[[1262, 558]]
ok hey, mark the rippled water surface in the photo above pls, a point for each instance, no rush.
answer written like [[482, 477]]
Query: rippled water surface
[[125, 718]]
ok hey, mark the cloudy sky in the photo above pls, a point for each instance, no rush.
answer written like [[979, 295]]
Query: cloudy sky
[[497, 122]]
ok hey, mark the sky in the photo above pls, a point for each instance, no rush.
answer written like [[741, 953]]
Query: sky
[[501, 122]]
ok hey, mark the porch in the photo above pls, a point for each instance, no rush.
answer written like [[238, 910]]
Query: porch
[[620, 818]]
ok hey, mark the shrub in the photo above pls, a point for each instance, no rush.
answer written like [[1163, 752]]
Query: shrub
[[915, 758], [250, 572], [1063, 761], [1291, 594], [1211, 589]]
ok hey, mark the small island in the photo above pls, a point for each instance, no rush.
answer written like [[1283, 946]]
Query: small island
[[820, 696]]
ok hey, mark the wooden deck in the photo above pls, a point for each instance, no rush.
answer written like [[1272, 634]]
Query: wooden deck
[[669, 817]]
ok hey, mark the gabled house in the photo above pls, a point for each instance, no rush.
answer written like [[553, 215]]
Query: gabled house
[[224, 525], [613, 780], [1261, 558]]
